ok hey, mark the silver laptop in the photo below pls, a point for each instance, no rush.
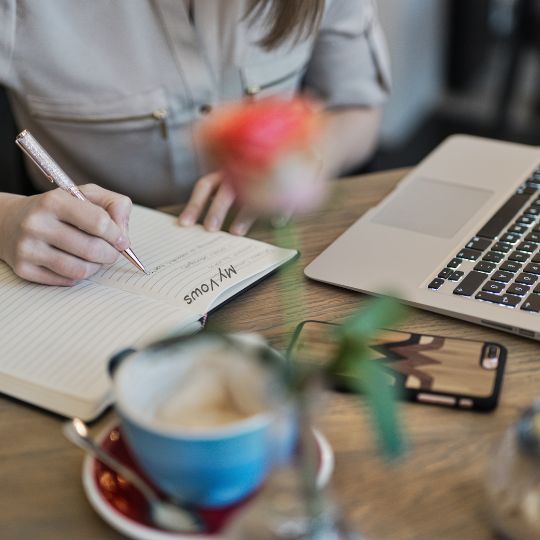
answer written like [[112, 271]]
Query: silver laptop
[[460, 235]]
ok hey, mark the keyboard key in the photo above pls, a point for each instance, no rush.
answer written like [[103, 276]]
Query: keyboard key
[[493, 286], [533, 211], [537, 289], [511, 238], [484, 266], [493, 256], [519, 256], [510, 300], [525, 220], [530, 189], [501, 247], [533, 237], [529, 247], [445, 272], [517, 229], [536, 258], [503, 215], [436, 283], [527, 279], [532, 268], [456, 275], [470, 283], [532, 303], [479, 244], [454, 263], [469, 254], [489, 297], [520, 290], [510, 266], [504, 299], [504, 277]]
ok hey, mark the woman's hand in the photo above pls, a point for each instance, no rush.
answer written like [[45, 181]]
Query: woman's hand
[[56, 239], [212, 190]]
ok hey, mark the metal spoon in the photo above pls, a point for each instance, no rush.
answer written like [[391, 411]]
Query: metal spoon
[[163, 512]]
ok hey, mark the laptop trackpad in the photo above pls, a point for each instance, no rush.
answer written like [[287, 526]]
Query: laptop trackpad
[[431, 207]]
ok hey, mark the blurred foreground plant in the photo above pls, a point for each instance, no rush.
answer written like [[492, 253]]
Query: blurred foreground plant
[[271, 153]]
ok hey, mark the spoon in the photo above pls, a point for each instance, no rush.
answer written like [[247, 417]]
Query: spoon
[[163, 512]]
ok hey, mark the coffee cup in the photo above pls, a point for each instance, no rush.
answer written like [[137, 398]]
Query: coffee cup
[[205, 416]]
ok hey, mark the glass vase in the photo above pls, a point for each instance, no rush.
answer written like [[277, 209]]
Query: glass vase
[[282, 512], [513, 482]]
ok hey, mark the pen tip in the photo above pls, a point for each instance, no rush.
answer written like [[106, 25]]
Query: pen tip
[[130, 256]]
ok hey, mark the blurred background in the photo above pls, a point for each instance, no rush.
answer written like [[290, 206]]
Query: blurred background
[[459, 66]]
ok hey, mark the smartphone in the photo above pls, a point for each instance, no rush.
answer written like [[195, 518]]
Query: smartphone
[[436, 370]]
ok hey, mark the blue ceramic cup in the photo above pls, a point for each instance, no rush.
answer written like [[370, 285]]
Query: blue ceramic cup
[[209, 466]]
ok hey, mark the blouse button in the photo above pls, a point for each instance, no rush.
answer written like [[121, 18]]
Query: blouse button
[[205, 108]]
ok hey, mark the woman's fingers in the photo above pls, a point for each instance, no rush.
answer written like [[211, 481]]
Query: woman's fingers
[[66, 265], [37, 274], [219, 208], [70, 240], [38, 259], [117, 206], [202, 192], [87, 217], [243, 221], [212, 192]]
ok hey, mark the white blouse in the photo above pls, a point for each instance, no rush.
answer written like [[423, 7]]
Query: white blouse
[[113, 89]]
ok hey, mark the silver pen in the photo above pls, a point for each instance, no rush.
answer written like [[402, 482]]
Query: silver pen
[[56, 175]]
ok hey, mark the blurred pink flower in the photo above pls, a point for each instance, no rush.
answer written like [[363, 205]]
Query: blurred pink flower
[[266, 150]]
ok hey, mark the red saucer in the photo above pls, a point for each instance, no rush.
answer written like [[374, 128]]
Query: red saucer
[[123, 507]]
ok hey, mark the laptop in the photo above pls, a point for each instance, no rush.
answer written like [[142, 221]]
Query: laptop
[[460, 235]]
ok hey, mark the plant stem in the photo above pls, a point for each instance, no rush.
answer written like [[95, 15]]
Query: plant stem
[[308, 464], [292, 297], [304, 392]]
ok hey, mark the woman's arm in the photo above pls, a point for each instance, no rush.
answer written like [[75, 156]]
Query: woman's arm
[[350, 138]]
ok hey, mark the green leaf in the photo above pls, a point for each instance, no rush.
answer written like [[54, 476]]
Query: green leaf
[[372, 382], [355, 361], [366, 323]]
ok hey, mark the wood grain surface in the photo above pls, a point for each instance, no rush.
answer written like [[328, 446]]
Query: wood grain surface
[[436, 492]]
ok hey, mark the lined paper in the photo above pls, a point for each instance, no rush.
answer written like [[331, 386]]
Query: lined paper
[[188, 262], [60, 338], [55, 341]]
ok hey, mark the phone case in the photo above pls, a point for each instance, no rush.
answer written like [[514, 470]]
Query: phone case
[[431, 369]]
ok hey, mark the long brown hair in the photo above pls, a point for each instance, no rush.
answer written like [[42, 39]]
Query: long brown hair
[[287, 19]]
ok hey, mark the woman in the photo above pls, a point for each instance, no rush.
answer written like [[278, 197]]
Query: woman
[[112, 90]]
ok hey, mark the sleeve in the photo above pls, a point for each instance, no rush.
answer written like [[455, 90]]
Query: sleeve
[[7, 36], [349, 65]]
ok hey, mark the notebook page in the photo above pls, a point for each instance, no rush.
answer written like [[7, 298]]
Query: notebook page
[[60, 338], [188, 266]]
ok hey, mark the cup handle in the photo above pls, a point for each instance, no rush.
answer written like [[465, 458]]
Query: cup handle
[[117, 359]]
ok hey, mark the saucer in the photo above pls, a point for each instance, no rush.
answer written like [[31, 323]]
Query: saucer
[[122, 506]]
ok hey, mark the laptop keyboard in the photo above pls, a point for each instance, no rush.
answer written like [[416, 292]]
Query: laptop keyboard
[[501, 264]]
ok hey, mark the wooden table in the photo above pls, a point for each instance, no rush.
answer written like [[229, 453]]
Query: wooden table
[[435, 493]]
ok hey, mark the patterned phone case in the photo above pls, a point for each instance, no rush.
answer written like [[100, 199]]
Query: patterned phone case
[[430, 369]]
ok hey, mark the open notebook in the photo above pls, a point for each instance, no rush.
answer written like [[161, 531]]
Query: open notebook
[[55, 341]]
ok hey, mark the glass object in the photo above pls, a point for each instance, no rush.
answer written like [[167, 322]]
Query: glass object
[[280, 512], [513, 483]]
